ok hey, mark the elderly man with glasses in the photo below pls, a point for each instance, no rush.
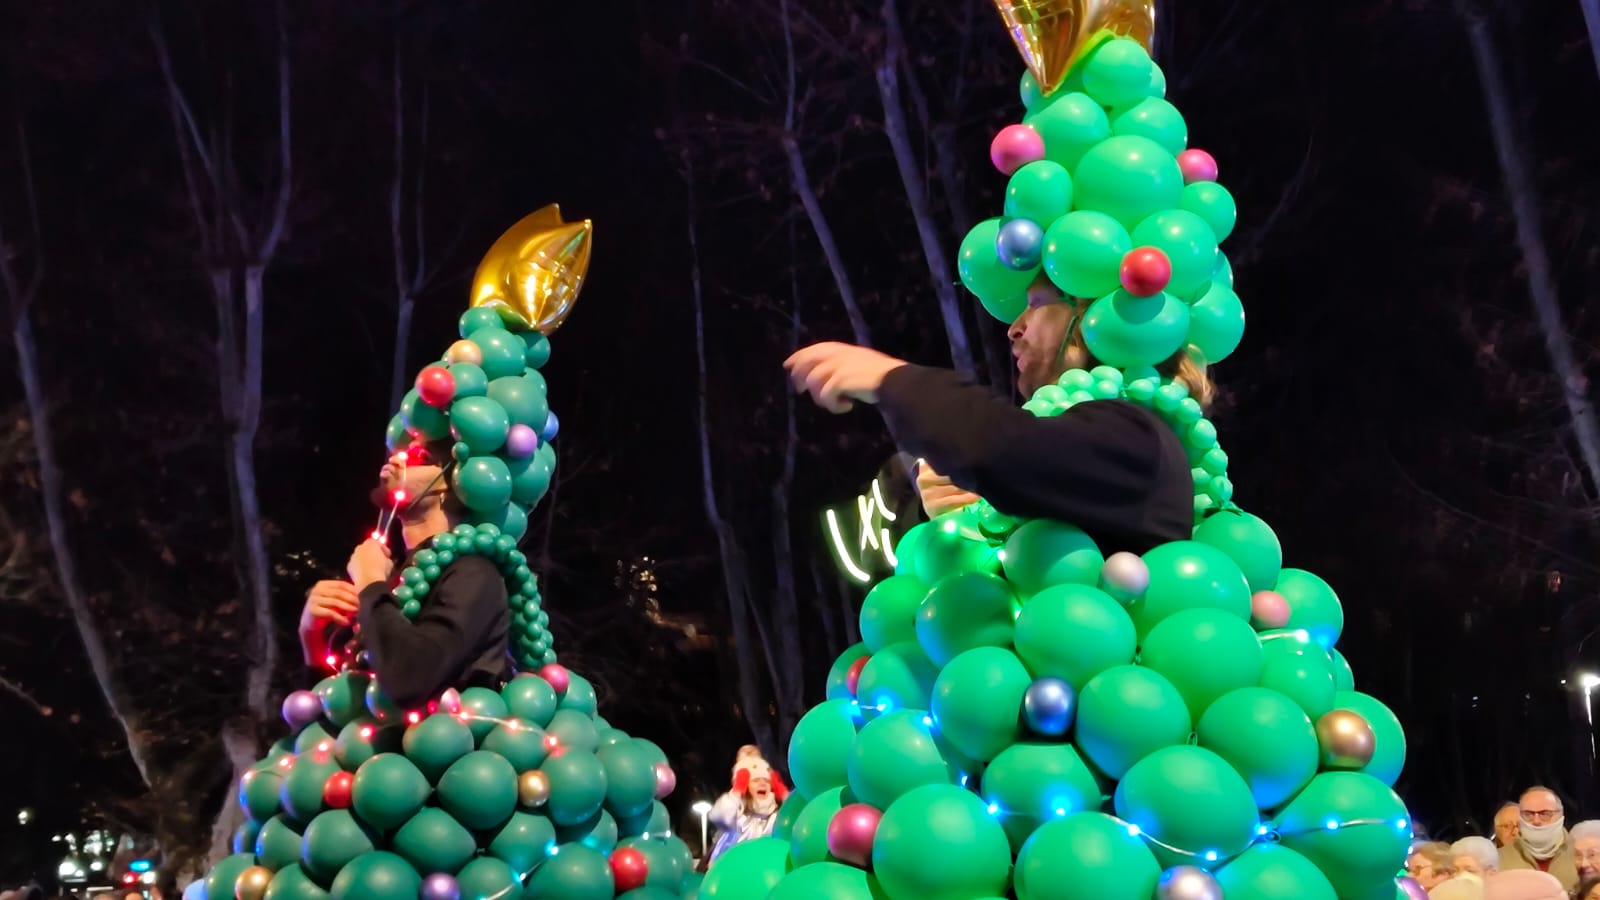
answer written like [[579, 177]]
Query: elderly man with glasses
[[1542, 841]]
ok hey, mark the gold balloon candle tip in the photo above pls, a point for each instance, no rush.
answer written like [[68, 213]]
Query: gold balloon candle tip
[[1053, 35], [534, 272]]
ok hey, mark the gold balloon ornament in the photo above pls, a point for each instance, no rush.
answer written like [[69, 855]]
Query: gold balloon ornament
[[1052, 35], [1345, 740], [533, 789], [534, 272], [252, 883]]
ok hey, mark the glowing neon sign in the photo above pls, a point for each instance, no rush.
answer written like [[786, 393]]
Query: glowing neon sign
[[869, 545]]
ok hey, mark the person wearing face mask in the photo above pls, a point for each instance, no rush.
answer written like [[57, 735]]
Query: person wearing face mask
[[1542, 841]]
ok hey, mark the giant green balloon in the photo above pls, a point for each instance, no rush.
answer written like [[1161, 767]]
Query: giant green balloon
[[530, 477], [1003, 290], [1040, 192], [944, 550], [301, 794], [436, 742], [362, 739], [1273, 872], [1313, 606], [1266, 737], [522, 398], [905, 550], [663, 868], [598, 832], [1029, 784], [1359, 859], [344, 697], [244, 837], [1216, 324], [530, 697], [1300, 671], [503, 352], [377, 876], [1128, 178], [1190, 575], [220, 880], [977, 701], [900, 676], [889, 612], [332, 840], [1085, 856], [1205, 653], [839, 673], [1071, 123], [1044, 553], [1248, 541], [577, 786], [574, 730], [1189, 244], [522, 744], [1188, 798], [388, 789], [819, 749], [433, 841], [483, 709], [653, 822], [1158, 120], [277, 844], [630, 779], [1073, 632], [833, 880], [573, 872], [422, 420], [1344, 678], [480, 423], [313, 737], [808, 841], [1389, 754], [1118, 72], [964, 612], [1127, 713], [1083, 253], [783, 825], [1212, 202], [487, 878], [480, 790], [483, 483], [258, 793], [1123, 330], [749, 870], [292, 883], [939, 842], [893, 754], [579, 695]]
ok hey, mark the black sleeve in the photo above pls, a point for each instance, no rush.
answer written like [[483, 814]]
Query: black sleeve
[[1095, 465], [416, 659]]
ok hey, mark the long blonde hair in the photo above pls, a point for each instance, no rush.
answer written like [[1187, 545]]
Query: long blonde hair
[[1180, 365]]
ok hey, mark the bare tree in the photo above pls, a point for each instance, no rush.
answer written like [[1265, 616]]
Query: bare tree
[[410, 264], [1591, 20]]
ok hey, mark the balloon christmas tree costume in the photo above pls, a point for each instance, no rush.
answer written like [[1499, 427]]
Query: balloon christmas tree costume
[[512, 791], [1028, 717]]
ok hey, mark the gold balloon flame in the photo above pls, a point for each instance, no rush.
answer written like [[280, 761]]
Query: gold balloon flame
[[1052, 35], [534, 272]]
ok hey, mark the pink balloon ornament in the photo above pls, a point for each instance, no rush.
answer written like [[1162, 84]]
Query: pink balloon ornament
[[1269, 609], [1197, 165], [851, 833], [1014, 147], [666, 780], [558, 677]]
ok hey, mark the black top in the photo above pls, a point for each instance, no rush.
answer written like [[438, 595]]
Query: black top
[[1112, 468], [457, 640]]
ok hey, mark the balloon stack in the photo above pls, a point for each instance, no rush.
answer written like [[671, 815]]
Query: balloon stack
[[1028, 717]]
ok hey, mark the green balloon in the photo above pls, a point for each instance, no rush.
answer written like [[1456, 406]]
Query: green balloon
[[574, 730], [1273, 872], [395, 435], [649, 893], [1029, 89], [944, 551], [893, 754], [905, 550], [1190, 575], [610, 737], [579, 695], [538, 350], [630, 779], [1389, 755], [312, 737], [1044, 553], [258, 793], [1122, 330], [1071, 124], [1313, 606], [1224, 273], [1344, 678], [1216, 324], [663, 869], [1118, 72], [277, 844], [388, 789], [819, 749], [520, 743], [487, 878], [1083, 856], [963, 612], [530, 477], [1267, 739], [783, 826], [1211, 202], [377, 876], [656, 753], [220, 880], [839, 673], [900, 676], [808, 840], [433, 841], [332, 840], [598, 832], [522, 399], [1191, 799], [483, 483], [1205, 653], [470, 380], [480, 423], [1030, 784], [1358, 859], [423, 421], [573, 872], [292, 883], [1248, 541], [889, 612], [749, 870], [939, 842], [344, 697], [833, 880], [530, 697], [977, 701], [1003, 290], [1040, 192], [301, 794], [480, 790], [1300, 671], [1074, 632], [1128, 178], [1156, 119], [1127, 713], [478, 318], [1083, 253], [577, 786], [503, 352], [1188, 242], [653, 822], [363, 739], [435, 742]]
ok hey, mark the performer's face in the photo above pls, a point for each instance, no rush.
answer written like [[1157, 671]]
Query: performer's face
[[1037, 338]]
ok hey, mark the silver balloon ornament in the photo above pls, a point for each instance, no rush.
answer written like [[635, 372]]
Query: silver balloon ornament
[[1188, 883], [1125, 576]]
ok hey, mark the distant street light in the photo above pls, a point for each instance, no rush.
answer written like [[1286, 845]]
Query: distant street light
[[24, 816], [704, 809], [1589, 681]]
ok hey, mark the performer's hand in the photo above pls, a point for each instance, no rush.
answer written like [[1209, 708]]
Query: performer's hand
[[330, 601], [838, 374], [369, 564], [939, 495]]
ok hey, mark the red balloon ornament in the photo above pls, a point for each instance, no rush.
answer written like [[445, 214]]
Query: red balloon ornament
[[628, 869], [1197, 165], [852, 677], [851, 832], [1146, 271], [436, 386], [336, 790], [1269, 610]]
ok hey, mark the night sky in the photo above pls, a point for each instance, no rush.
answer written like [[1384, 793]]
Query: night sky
[[1391, 412]]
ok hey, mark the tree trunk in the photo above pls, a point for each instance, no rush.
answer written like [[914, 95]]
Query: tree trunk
[[1591, 19], [398, 379], [263, 643]]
